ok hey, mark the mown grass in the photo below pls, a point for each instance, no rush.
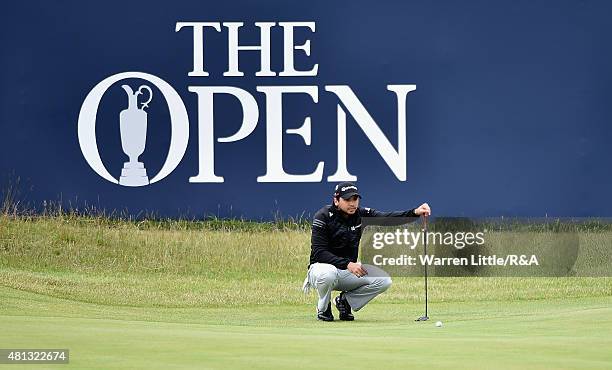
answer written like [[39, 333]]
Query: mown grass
[[551, 334]]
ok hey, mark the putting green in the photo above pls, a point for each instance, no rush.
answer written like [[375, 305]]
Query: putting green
[[535, 334]]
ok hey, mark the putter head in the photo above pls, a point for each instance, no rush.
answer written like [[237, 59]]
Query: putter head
[[422, 318]]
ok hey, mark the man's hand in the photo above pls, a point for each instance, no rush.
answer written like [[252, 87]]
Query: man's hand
[[356, 269], [423, 210]]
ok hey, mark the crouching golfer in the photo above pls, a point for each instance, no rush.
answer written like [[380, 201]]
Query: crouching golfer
[[336, 231]]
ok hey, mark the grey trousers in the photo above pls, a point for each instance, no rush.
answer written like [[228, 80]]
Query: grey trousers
[[358, 290]]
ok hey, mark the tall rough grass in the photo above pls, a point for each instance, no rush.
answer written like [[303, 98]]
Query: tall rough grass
[[90, 255], [218, 264]]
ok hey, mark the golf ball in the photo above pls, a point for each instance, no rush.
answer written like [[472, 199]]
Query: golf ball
[[438, 324]]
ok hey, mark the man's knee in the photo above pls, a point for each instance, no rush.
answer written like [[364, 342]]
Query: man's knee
[[327, 278], [385, 283], [326, 275]]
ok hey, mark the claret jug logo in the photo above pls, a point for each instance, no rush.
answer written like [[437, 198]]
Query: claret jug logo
[[132, 119], [132, 124]]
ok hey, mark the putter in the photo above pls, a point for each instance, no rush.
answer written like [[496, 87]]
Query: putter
[[425, 317]]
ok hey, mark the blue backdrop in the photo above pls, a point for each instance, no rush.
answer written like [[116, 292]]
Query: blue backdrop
[[512, 114]]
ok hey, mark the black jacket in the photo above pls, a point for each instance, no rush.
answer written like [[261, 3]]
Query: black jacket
[[335, 238]]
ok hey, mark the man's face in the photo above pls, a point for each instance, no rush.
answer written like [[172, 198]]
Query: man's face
[[348, 206]]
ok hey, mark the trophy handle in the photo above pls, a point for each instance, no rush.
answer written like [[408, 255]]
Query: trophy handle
[[145, 104]]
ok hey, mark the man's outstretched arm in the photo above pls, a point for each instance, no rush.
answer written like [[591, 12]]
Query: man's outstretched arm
[[423, 209]]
